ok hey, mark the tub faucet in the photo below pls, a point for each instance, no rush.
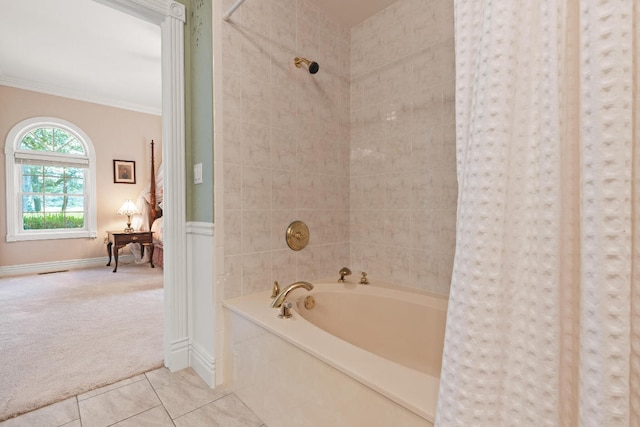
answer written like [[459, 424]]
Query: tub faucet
[[285, 292]]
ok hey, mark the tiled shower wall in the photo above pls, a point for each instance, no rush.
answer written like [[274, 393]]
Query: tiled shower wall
[[403, 170], [363, 151], [284, 151]]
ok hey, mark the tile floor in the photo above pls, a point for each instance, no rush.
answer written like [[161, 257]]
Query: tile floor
[[155, 399]]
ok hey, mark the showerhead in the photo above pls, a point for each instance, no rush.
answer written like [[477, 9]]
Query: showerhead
[[313, 66]]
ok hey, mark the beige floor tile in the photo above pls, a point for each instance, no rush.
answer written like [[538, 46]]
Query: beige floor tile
[[163, 377], [156, 417], [138, 402], [184, 391], [117, 405], [228, 411], [160, 377], [110, 387], [55, 415]]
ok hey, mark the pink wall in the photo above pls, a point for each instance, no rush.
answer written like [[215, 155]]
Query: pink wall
[[115, 133]]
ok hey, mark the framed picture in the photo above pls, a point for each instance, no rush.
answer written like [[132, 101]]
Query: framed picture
[[124, 172]]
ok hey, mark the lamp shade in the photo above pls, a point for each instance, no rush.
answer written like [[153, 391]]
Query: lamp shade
[[128, 208]]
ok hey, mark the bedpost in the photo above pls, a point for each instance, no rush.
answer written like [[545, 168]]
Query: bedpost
[[152, 189]]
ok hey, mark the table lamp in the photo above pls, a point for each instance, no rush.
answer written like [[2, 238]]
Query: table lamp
[[128, 208]]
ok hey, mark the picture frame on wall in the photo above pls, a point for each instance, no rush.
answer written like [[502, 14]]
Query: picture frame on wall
[[124, 171]]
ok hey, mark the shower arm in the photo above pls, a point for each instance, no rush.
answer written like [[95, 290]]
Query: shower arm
[[232, 9], [299, 61]]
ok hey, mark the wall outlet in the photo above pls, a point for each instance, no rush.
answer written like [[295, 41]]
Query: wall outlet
[[197, 173]]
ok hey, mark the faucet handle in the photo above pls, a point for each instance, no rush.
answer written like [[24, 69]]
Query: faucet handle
[[344, 272], [285, 310], [363, 279], [275, 290]]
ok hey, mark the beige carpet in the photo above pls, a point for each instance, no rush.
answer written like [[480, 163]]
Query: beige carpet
[[65, 333]]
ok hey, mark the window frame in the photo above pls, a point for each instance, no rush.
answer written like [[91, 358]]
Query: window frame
[[13, 172]]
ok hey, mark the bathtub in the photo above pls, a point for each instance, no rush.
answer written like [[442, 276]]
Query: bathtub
[[363, 355]]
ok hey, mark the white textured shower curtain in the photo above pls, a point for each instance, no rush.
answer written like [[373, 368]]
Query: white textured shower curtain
[[544, 314]]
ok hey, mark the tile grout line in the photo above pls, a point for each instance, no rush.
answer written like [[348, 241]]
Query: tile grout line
[[144, 378], [203, 405], [159, 399], [79, 413], [110, 389], [139, 413]]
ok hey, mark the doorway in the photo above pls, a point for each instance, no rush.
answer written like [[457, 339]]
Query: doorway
[[170, 16]]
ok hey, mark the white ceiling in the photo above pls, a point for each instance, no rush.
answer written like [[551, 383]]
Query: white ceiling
[[105, 56]]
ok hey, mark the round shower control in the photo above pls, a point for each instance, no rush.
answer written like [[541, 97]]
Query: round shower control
[[297, 235]]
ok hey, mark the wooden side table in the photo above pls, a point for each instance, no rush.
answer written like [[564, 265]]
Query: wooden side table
[[119, 239]]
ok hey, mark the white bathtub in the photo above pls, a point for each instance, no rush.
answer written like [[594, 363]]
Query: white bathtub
[[364, 355]]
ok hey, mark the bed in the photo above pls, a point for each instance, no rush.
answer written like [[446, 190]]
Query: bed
[[149, 204], [158, 232]]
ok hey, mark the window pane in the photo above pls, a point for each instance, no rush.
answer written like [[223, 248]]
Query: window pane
[[74, 186], [28, 142], [60, 138], [53, 171], [44, 137], [32, 170], [75, 147], [75, 204], [70, 145], [32, 184], [53, 185], [32, 221], [74, 172], [32, 203], [74, 220], [66, 143], [53, 220], [38, 140], [53, 203]]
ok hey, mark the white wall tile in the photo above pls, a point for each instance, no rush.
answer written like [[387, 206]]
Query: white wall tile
[[256, 188], [256, 230], [286, 139], [365, 148], [403, 185]]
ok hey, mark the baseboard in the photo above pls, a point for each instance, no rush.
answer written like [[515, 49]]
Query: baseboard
[[204, 364], [48, 267], [178, 357]]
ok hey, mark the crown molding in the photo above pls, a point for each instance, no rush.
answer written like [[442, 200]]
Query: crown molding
[[72, 93]]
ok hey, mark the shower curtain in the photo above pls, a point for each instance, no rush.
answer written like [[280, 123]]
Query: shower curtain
[[543, 326]]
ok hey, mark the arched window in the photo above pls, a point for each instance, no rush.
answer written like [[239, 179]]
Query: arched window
[[51, 182]]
